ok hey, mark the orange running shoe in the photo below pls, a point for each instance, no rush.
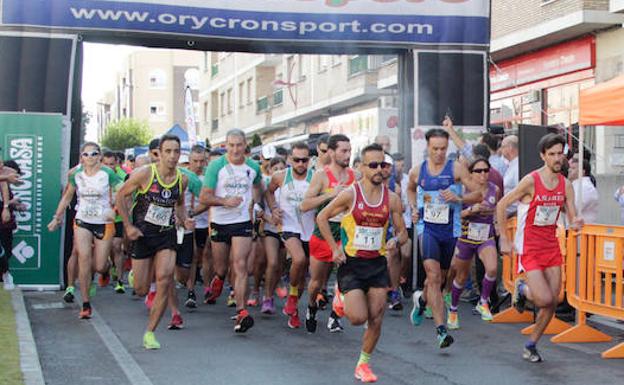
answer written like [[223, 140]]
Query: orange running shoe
[[291, 305], [104, 279], [85, 313], [364, 373], [281, 292], [338, 304], [293, 321]]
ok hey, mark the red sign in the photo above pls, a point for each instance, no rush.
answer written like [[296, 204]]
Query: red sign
[[543, 64]]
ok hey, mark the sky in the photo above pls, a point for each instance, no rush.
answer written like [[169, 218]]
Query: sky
[[101, 63]]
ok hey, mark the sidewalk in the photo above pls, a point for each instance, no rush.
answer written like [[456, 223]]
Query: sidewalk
[[9, 353]]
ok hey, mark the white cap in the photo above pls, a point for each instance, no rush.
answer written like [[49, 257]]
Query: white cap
[[268, 151], [183, 158], [388, 159]]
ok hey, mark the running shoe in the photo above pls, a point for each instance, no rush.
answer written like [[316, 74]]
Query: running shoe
[[310, 320], [364, 373], [281, 292], [150, 342], [149, 300], [453, 320], [131, 278], [444, 340], [447, 300], [86, 313], [416, 316], [395, 301], [428, 312], [92, 290], [321, 300], [253, 299], [231, 302], [531, 354], [119, 288], [268, 306], [104, 279], [291, 305], [334, 325], [191, 300], [243, 322], [293, 320], [338, 303], [176, 322], [518, 300], [216, 287], [113, 273], [207, 294], [484, 310], [69, 294]]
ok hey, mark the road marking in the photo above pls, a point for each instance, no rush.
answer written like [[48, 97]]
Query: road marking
[[124, 359], [47, 306]]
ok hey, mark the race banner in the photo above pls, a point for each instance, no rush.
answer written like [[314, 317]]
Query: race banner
[[33, 141], [394, 22]]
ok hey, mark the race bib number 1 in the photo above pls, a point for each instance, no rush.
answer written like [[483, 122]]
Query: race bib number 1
[[546, 215], [159, 216], [437, 213], [478, 231], [368, 238]]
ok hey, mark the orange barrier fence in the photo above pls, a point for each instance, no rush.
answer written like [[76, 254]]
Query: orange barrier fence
[[509, 275], [595, 282]]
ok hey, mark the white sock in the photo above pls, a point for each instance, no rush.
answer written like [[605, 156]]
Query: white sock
[[152, 287]]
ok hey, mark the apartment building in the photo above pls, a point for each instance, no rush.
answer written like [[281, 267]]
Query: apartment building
[[151, 87], [284, 95]]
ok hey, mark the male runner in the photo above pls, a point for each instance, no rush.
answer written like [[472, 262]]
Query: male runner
[[296, 227], [228, 190], [435, 197], [363, 272], [541, 196], [326, 184], [159, 205]]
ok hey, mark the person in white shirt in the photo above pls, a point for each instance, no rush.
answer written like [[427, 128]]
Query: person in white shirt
[[509, 150], [589, 204]]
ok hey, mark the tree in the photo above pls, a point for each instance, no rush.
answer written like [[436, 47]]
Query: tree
[[256, 141], [126, 133]]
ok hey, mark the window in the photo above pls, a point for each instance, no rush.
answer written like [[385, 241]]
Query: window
[[358, 64], [206, 115], [322, 62], [290, 67], [206, 61], [157, 79], [222, 103], [249, 95], [156, 111], [301, 72], [241, 98], [229, 101]]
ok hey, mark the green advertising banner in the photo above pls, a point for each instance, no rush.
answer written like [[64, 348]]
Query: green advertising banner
[[34, 142]]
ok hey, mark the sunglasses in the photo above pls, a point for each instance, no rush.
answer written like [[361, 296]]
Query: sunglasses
[[155, 153], [90, 154], [481, 170], [300, 160], [376, 165], [322, 150]]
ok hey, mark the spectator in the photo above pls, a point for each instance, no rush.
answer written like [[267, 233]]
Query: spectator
[[7, 226], [496, 160], [588, 207], [509, 150], [619, 198], [384, 142]]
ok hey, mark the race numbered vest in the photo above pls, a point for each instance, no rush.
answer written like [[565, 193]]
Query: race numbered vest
[[291, 195], [154, 207], [334, 223]]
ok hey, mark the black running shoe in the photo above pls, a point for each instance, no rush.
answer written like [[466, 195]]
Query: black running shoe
[[244, 322], [518, 300], [531, 354], [310, 320], [191, 300]]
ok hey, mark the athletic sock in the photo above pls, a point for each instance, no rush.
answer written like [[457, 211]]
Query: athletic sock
[[364, 358], [486, 287], [86, 305], [441, 329], [529, 344], [152, 287], [293, 290], [521, 287], [456, 291], [421, 302]]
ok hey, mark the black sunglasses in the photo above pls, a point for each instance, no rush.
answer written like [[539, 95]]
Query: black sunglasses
[[376, 165], [300, 160], [481, 170], [322, 150], [90, 154]]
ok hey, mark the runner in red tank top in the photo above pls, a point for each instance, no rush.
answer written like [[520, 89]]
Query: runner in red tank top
[[541, 195]]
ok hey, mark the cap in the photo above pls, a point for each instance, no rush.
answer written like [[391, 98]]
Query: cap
[[184, 158], [388, 159], [268, 151]]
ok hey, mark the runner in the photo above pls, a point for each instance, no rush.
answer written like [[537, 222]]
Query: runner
[[111, 160], [477, 237], [326, 184], [296, 227], [435, 197], [273, 244], [227, 190], [363, 271], [93, 227], [541, 195], [159, 204]]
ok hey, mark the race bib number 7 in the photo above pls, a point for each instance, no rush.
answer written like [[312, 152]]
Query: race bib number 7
[[546, 215], [368, 238], [437, 213], [158, 215]]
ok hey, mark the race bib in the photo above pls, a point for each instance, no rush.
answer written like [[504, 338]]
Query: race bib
[[478, 231], [437, 213], [158, 215], [368, 238], [91, 210], [546, 215]]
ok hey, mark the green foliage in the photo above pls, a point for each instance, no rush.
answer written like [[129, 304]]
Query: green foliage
[[256, 141], [126, 133]]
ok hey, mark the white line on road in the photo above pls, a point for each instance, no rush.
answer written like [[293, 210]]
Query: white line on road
[[124, 359]]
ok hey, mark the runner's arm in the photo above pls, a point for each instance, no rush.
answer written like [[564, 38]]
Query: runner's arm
[[276, 181], [463, 176], [6, 199], [400, 232], [412, 192], [9, 175], [314, 196], [341, 204], [524, 188], [180, 210]]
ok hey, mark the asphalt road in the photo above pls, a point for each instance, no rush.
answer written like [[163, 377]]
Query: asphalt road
[[107, 350]]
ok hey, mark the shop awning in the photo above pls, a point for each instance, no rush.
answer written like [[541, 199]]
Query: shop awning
[[603, 104]]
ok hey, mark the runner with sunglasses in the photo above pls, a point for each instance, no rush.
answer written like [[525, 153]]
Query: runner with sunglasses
[[325, 185], [93, 185], [477, 238], [436, 198], [296, 227], [361, 254]]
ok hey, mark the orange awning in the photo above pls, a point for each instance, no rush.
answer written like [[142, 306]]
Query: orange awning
[[603, 104]]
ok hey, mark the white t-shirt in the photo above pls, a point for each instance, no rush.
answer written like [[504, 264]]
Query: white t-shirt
[[95, 194], [589, 211]]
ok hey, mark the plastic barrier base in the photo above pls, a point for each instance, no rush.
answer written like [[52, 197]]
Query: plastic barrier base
[[615, 352], [511, 316], [555, 326], [581, 333]]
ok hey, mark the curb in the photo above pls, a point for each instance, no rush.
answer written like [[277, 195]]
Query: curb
[[29, 358]]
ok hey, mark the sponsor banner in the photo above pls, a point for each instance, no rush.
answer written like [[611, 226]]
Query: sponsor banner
[[403, 22], [34, 142]]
